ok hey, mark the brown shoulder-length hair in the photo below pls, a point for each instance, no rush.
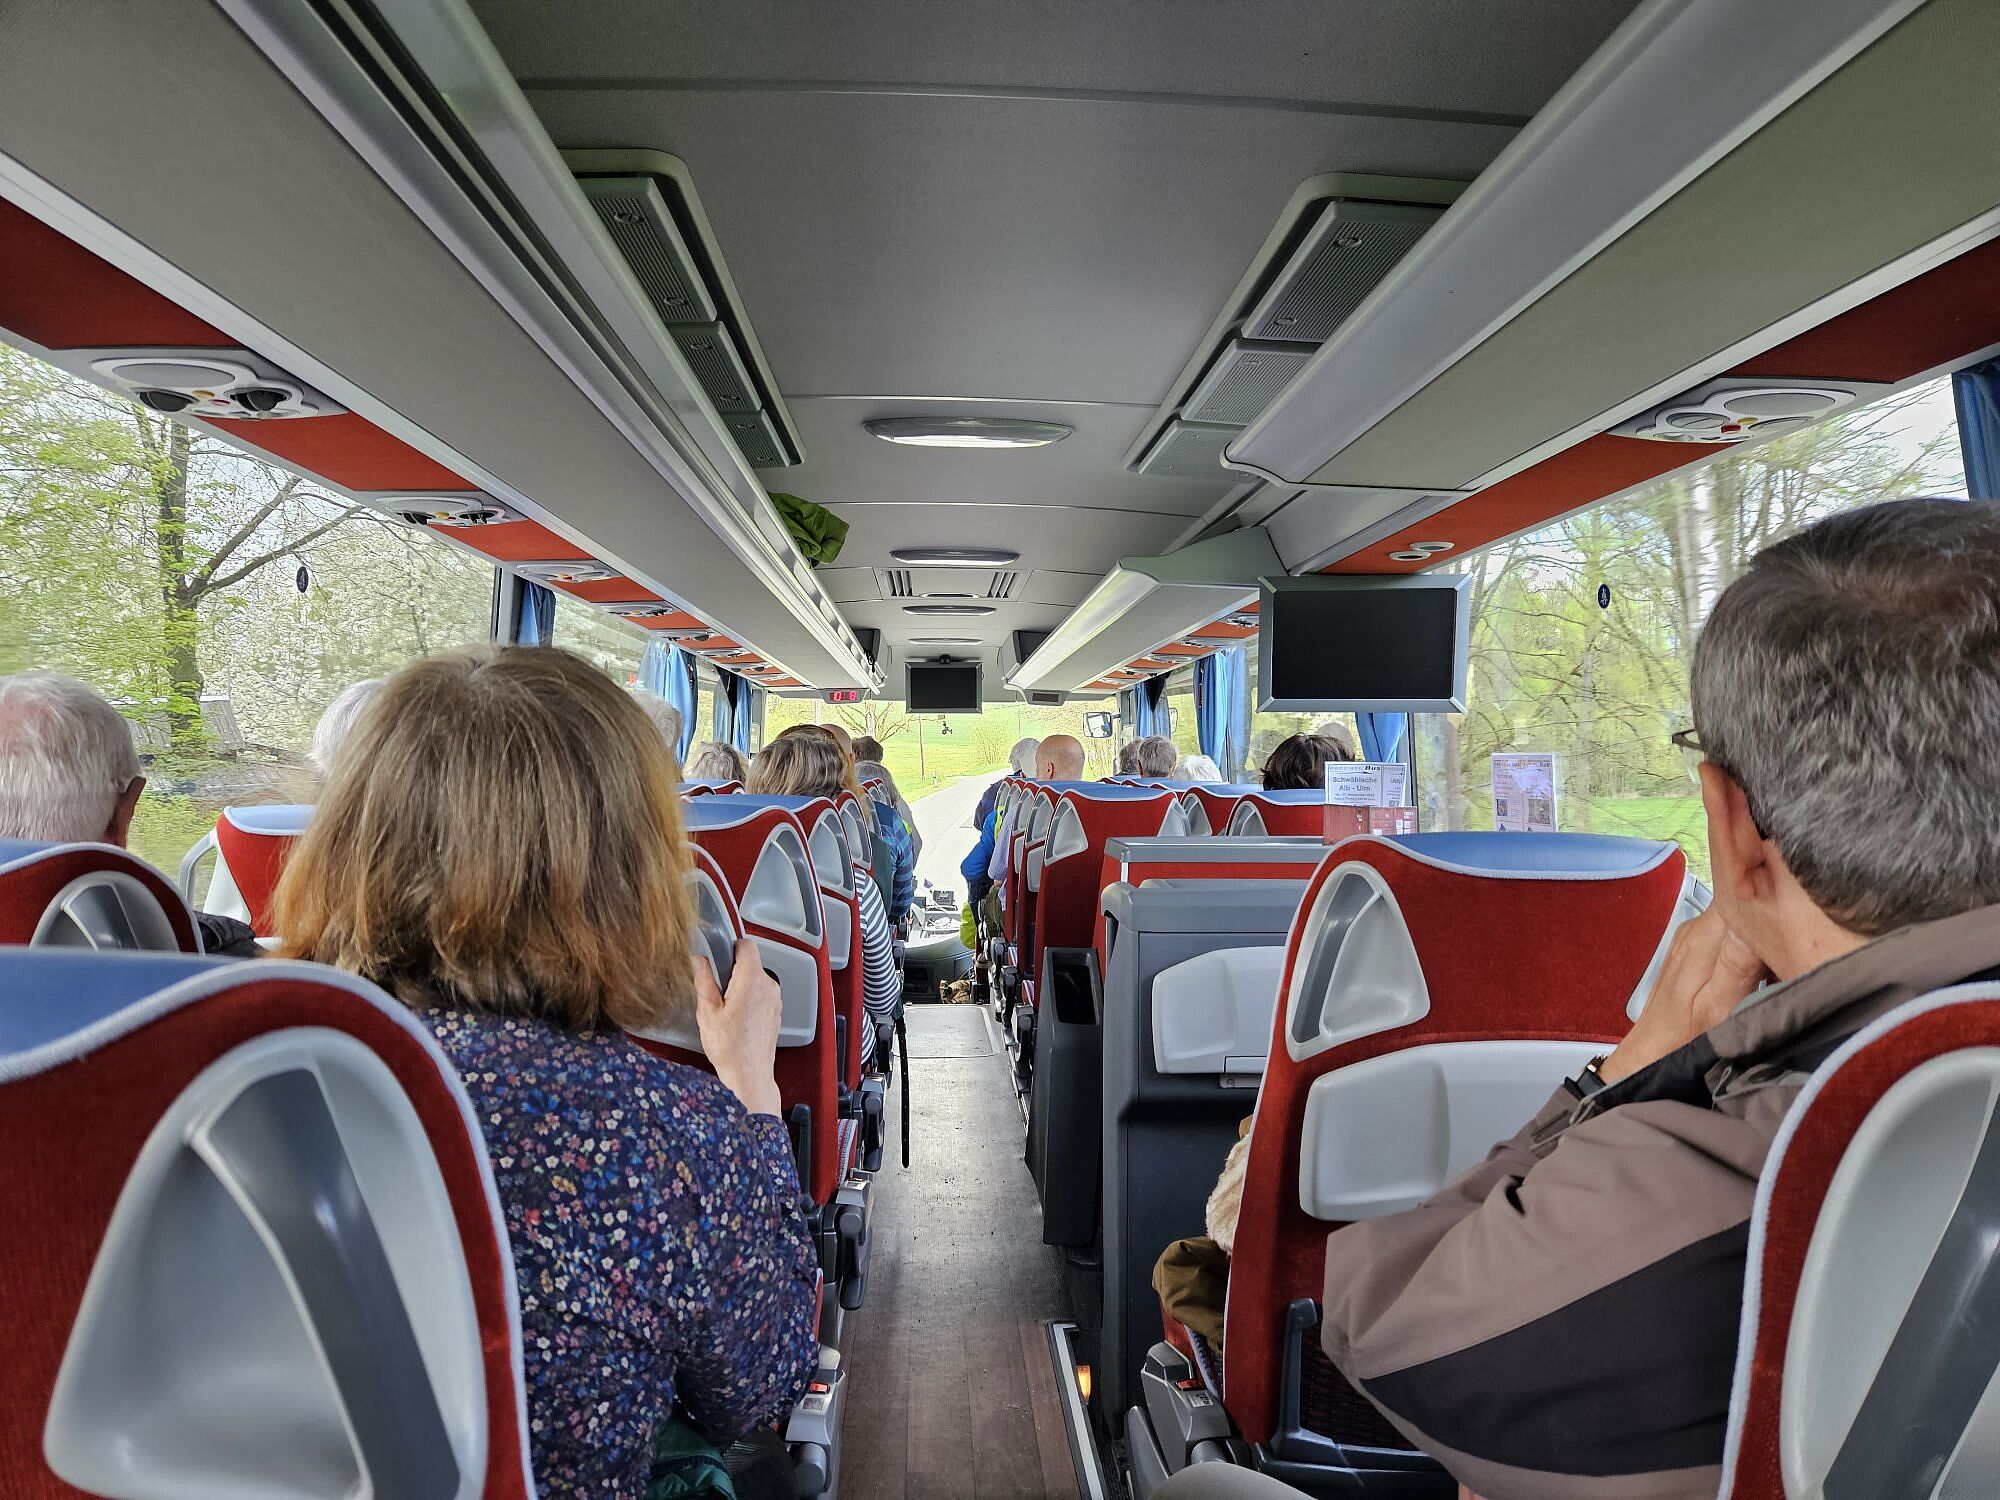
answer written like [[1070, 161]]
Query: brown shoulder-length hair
[[1300, 761], [502, 833], [801, 762]]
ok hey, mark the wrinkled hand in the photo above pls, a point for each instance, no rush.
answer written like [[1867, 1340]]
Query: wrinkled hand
[[1708, 973], [739, 1030]]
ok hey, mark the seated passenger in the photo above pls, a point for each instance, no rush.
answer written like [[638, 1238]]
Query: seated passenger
[[500, 848], [986, 819], [1154, 755], [69, 774], [811, 765], [1561, 1322], [1300, 762], [1057, 758], [868, 770], [1198, 768], [1192, 1275], [336, 722], [1336, 731], [663, 717], [867, 747], [714, 761], [903, 879], [1128, 759]]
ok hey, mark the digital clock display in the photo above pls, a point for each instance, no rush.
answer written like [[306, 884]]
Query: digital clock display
[[843, 695]]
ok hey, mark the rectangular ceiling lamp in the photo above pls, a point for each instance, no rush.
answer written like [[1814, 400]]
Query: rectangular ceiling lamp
[[1192, 450], [1349, 249], [1245, 378], [636, 216]]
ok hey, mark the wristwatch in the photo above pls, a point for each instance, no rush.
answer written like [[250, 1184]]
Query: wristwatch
[[1588, 1081]]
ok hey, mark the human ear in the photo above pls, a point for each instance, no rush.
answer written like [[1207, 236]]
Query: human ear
[[1739, 859], [119, 830]]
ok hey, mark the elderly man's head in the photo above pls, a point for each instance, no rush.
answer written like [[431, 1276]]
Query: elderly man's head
[[663, 716], [68, 768], [1155, 755], [1846, 694], [1059, 758]]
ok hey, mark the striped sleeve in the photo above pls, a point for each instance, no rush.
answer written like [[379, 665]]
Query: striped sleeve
[[881, 986]]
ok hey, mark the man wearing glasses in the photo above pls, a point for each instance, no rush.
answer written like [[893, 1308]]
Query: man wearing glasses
[[1561, 1322]]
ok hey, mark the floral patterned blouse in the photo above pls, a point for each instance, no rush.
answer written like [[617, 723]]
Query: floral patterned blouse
[[659, 1245]]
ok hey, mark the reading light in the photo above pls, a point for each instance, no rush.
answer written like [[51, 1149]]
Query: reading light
[[947, 609], [967, 432], [956, 557]]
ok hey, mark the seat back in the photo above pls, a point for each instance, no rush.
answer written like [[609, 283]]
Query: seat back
[[89, 896], [1288, 812], [763, 854], [1210, 804], [710, 788], [251, 847], [272, 1261], [1866, 1359], [1421, 941], [1031, 810], [1072, 867]]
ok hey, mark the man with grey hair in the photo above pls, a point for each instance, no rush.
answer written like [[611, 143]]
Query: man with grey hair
[[1155, 755], [69, 773], [664, 716], [1561, 1322]]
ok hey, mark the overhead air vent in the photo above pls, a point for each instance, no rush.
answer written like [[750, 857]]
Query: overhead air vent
[[439, 508], [226, 384], [899, 584], [1245, 378], [582, 571], [1337, 238], [1350, 247], [657, 609], [1191, 450], [1002, 585], [1734, 409], [648, 206]]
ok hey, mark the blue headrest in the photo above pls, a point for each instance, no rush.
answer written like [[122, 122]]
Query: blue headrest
[[279, 818], [13, 849], [1290, 795], [717, 812], [790, 804], [1228, 788], [48, 993], [1102, 792], [1536, 853]]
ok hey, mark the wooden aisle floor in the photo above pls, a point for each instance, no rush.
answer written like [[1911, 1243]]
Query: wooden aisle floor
[[951, 1393]]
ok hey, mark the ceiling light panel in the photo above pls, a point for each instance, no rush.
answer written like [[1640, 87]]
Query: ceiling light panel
[[967, 432], [956, 557], [948, 609]]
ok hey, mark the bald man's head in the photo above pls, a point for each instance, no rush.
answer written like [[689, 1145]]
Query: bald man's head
[[1059, 758]]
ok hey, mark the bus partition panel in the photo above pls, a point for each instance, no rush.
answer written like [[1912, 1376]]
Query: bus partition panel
[[1433, 954], [155, 1080], [93, 896], [1195, 857]]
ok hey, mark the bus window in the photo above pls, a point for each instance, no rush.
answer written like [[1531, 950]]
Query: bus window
[[220, 602], [1268, 729], [1582, 631], [615, 645]]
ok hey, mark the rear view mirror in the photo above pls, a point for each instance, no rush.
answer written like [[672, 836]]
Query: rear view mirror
[[1098, 726]]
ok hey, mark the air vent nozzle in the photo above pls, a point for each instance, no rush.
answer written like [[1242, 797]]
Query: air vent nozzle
[[1734, 409], [231, 385], [455, 508]]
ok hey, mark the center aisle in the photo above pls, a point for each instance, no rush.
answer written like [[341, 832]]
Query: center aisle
[[951, 1394]]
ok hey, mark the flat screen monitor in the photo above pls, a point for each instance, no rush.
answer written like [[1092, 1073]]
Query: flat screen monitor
[[943, 687], [1363, 645]]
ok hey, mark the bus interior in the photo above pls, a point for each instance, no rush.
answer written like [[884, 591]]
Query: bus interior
[[1070, 365]]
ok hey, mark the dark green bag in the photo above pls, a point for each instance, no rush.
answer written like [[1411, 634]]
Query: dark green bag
[[818, 531], [686, 1465]]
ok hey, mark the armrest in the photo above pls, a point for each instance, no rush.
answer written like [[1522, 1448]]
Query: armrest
[[1212, 1013]]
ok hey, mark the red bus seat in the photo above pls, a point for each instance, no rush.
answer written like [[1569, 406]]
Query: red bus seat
[[1209, 806], [251, 845], [1293, 811], [271, 1260], [89, 896]]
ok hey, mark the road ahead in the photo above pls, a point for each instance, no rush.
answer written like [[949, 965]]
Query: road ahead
[[943, 818]]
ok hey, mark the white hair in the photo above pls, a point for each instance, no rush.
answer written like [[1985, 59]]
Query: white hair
[[1336, 731], [66, 756], [1198, 768], [338, 721], [666, 718], [1022, 756], [714, 761]]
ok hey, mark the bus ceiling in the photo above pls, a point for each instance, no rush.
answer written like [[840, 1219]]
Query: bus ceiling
[[1077, 358]]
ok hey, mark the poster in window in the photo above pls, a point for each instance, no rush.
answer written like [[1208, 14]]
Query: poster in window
[[1524, 792]]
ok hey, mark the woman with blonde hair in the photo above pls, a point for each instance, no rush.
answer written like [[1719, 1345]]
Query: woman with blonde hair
[[500, 847], [806, 762]]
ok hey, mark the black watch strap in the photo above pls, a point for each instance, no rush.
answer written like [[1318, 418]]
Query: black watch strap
[[1587, 1081]]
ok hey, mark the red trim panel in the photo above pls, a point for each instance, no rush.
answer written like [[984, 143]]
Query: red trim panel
[[346, 449], [56, 293]]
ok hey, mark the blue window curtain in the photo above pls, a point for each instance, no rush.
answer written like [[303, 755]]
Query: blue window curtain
[[720, 712], [667, 670], [742, 710], [1976, 393], [1382, 735], [1233, 699], [1211, 719], [1146, 716], [534, 614], [1127, 714]]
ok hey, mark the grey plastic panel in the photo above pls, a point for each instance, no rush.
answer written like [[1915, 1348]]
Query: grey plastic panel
[[711, 355], [782, 892], [839, 930], [715, 926], [833, 867], [1350, 248], [1246, 822], [1212, 1013], [1385, 1134], [1193, 848], [280, 1307], [641, 226], [106, 909], [1192, 450], [1358, 972], [1245, 378], [1890, 1360]]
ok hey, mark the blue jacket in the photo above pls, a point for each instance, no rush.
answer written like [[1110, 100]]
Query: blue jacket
[[903, 890], [974, 866]]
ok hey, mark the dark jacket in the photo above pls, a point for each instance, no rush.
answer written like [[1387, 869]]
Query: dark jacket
[[1560, 1323]]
